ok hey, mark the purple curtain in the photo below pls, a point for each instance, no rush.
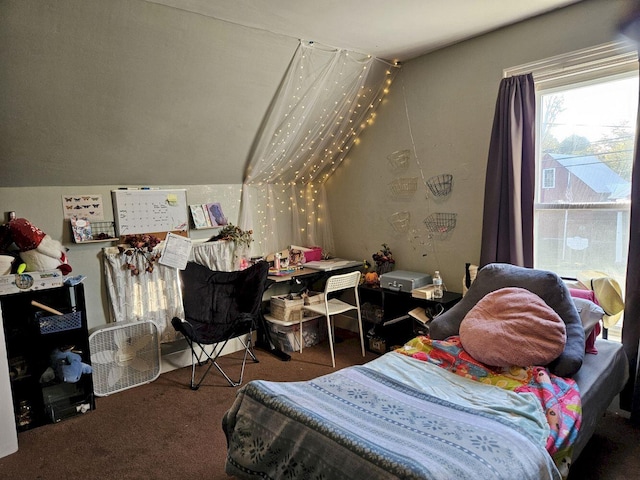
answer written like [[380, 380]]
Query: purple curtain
[[630, 396], [507, 224]]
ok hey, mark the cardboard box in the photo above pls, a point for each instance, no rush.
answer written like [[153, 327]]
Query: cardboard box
[[29, 281]]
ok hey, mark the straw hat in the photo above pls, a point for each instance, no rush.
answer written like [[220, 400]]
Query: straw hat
[[607, 292]]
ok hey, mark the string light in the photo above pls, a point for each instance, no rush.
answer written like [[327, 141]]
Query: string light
[[328, 135]]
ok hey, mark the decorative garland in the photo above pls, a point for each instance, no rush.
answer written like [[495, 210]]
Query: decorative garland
[[140, 245]]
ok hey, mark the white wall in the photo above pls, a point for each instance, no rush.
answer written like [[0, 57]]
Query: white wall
[[43, 207], [130, 92], [450, 97], [99, 95]]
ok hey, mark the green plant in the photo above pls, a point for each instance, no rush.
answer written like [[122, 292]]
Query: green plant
[[236, 234]]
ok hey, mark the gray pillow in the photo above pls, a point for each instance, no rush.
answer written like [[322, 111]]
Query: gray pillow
[[590, 314], [547, 285]]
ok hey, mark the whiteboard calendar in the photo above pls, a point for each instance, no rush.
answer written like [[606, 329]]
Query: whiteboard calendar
[[150, 211]]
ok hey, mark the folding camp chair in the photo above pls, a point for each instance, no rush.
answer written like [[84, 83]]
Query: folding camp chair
[[219, 306]]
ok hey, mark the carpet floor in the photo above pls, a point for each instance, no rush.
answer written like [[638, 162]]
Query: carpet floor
[[164, 430]]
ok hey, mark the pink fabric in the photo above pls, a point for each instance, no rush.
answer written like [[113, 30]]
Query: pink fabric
[[512, 326], [590, 341], [582, 293]]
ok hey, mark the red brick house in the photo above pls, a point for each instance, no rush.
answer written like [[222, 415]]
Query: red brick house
[[580, 179]]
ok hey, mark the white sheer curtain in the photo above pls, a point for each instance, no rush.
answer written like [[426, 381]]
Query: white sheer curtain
[[222, 255], [156, 295], [325, 100], [151, 296]]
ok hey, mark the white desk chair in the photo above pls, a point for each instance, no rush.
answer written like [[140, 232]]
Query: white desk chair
[[334, 306]]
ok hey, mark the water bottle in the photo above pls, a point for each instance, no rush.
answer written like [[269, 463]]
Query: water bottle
[[437, 284]]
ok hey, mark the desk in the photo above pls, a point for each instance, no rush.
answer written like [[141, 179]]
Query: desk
[[305, 278], [333, 264], [289, 277]]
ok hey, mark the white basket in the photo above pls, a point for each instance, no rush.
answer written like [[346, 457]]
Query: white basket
[[287, 309], [400, 221], [401, 187], [399, 160]]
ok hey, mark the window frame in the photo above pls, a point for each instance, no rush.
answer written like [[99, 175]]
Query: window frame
[[581, 67]]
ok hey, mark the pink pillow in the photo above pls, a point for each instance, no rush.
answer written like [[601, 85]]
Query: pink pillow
[[590, 316], [512, 326]]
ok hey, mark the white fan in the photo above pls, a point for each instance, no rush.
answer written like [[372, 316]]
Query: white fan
[[124, 356]]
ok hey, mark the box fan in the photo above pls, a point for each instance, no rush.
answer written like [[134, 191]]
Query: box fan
[[123, 356]]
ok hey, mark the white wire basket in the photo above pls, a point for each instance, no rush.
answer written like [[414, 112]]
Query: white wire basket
[[402, 187], [400, 221], [399, 160]]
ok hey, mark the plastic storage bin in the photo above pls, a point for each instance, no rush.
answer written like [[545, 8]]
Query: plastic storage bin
[[287, 337]]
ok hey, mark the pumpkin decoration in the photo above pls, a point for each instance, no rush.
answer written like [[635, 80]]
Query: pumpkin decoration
[[371, 278]]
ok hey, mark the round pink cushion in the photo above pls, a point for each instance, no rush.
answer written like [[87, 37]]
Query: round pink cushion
[[512, 326]]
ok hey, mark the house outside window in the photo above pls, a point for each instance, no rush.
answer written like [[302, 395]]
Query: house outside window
[[585, 134]]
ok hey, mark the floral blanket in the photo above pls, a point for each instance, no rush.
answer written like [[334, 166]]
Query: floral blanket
[[558, 397]]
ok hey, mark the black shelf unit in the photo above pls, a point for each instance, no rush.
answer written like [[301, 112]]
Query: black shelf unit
[[385, 314], [31, 336]]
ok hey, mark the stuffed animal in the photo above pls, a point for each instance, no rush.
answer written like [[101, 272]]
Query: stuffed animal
[[68, 365], [39, 251]]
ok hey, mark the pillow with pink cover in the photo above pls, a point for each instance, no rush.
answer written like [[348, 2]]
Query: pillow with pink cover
[[513, 326], [590, 314]]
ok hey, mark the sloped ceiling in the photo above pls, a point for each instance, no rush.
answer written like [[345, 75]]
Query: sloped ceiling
[[390, 29], [173, 92]]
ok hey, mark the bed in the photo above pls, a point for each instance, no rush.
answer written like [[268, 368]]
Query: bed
[[430, 409]]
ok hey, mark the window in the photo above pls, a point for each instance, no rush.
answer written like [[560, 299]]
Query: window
[[586, 136], [587, 104], [549, 178]]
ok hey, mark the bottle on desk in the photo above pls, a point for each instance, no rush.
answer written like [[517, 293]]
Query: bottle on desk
[[437, 285], [276, 261]]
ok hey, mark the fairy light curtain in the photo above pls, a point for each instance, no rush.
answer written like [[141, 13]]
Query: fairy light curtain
[[326, 99]]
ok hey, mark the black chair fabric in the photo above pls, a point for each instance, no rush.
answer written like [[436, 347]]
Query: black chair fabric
[[219, 306]]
